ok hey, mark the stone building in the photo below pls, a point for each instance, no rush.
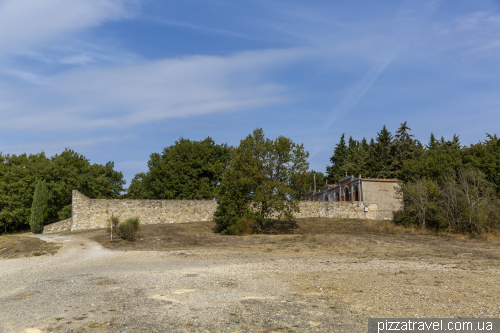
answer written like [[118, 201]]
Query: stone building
[[381, 192]]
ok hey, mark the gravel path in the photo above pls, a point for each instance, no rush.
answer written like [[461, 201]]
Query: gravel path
[[85, 288]]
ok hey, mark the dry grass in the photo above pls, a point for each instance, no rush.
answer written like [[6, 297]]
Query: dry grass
[[14, 246], [350, 237]]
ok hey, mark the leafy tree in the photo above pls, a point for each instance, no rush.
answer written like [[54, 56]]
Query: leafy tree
[[233, 199], [261, 179], [485, 156], [420, 202], [186, 170], [135, 190], [64, 213], [62, 173], [432, 163], [39, 208], [462, 201], [320, 181]]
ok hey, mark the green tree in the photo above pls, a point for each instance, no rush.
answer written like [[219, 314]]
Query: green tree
[[420, 202], [135, 190], [404, 148], [433, 163], [485, 156], [262, 178], [357, 160], [320, 180], [380, 157], [62, 173], [186, 170], [340, 154], [39, 208]]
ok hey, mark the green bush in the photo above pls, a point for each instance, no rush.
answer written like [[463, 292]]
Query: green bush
[[64, 213], [245, 225], [128, 229]]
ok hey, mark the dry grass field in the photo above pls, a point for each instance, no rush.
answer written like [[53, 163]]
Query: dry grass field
[[350, 237], [16, 246], [325, 275]]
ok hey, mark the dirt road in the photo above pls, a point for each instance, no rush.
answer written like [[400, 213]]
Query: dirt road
[[86, 288]]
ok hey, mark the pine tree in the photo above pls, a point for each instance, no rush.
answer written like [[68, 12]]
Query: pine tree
[[38, 208], [404, 148], [340, 153], [433, 143], [380, 157], [357, 158]]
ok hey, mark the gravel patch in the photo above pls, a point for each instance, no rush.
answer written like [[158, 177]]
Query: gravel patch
[[86, 288]]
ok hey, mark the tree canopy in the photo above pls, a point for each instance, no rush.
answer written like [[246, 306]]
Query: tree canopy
[[439, 178], [185, 170], [61, 173], [262, 179]]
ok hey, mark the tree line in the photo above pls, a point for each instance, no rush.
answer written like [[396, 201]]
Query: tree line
[[257, 181], [61, 173], [269, 175], [446, 185]]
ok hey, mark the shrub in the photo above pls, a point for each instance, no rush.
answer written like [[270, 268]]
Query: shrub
[[128, 229], [245, 225], [64, 213], [463, 201]]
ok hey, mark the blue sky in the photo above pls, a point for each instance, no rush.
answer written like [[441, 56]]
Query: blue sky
[[119, 79]]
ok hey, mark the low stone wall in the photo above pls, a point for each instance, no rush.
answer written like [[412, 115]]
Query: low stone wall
[[63, 225], [346, 210], [95, 213]]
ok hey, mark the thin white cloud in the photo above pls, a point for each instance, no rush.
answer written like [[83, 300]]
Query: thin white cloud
[[410, 19], [54, 147], [32, 23], [197, 27], [128, 95]]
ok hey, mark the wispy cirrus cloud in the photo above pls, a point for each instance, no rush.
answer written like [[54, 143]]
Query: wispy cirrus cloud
[[31, 23], [410, 19], [124, 96]]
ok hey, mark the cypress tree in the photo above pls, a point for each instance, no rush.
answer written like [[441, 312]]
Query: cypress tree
[[38, 208]]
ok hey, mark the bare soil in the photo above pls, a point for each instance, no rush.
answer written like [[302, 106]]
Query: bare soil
[[346, 237], [17, 246], [329, 275]]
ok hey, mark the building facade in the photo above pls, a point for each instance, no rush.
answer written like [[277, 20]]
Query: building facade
[[381, 192]]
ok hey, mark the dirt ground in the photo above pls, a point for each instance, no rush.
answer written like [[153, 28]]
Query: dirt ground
[[16, 246], [329, 275], [344, 237]]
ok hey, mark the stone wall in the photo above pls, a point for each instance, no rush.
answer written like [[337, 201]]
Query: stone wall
[[338, 209], [95, 213], [63, 225]]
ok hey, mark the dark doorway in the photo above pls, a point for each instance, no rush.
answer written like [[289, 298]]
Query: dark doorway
[[347, 196]]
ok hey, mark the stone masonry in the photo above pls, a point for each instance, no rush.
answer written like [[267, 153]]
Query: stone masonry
[[64, 225], [95, 213]]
